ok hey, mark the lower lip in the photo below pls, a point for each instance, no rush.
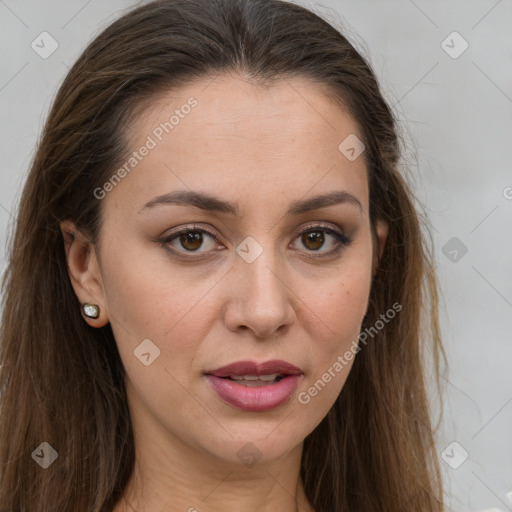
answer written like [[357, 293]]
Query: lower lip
[[257, 398]]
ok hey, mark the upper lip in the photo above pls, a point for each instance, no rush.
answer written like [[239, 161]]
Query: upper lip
[[254, 368]]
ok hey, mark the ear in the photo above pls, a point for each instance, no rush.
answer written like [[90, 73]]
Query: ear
[[84, 271], [382, 230]]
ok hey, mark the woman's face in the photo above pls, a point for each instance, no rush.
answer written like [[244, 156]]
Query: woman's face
[[245, 169]]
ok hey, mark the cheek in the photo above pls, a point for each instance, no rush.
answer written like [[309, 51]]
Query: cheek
[[174, 316], [340, 313], [148, 300], [341, 300], [334, 331], [145, 295], [335, 311]]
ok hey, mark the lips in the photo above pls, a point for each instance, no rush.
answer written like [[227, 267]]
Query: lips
[[252, 386], [241, 368]]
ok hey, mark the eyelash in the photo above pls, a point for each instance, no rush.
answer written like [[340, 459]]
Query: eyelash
[[341, 239]]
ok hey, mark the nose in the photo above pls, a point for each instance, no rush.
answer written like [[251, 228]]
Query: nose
[[259, 298]]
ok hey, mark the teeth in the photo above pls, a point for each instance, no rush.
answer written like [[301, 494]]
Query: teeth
[[265, 378], [253, 383], [269, 377]]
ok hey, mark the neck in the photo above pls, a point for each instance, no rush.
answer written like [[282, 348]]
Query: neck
[[268, 488], [172, 472]]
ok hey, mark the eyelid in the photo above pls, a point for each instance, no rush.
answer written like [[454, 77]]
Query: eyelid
[[192, 227], [166, 238], [342, 239], [322, 226]]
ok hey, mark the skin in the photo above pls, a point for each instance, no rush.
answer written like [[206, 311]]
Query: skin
[[263, 148]]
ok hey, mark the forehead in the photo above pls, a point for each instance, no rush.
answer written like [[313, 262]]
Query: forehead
[[226, 135]]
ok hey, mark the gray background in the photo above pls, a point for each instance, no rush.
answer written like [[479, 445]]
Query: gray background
[[457, 123]]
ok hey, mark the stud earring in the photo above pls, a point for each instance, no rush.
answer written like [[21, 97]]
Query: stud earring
[[91, 310]]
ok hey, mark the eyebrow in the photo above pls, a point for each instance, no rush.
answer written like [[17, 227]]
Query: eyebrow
[[215, 204]]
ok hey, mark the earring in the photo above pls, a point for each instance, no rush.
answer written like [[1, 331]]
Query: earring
[[91, 310]]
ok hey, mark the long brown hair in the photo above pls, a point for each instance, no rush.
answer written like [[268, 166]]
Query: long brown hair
[[61, 381]]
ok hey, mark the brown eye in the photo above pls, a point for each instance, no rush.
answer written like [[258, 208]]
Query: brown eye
[[313, 240], [192, 240], [197, 241]]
